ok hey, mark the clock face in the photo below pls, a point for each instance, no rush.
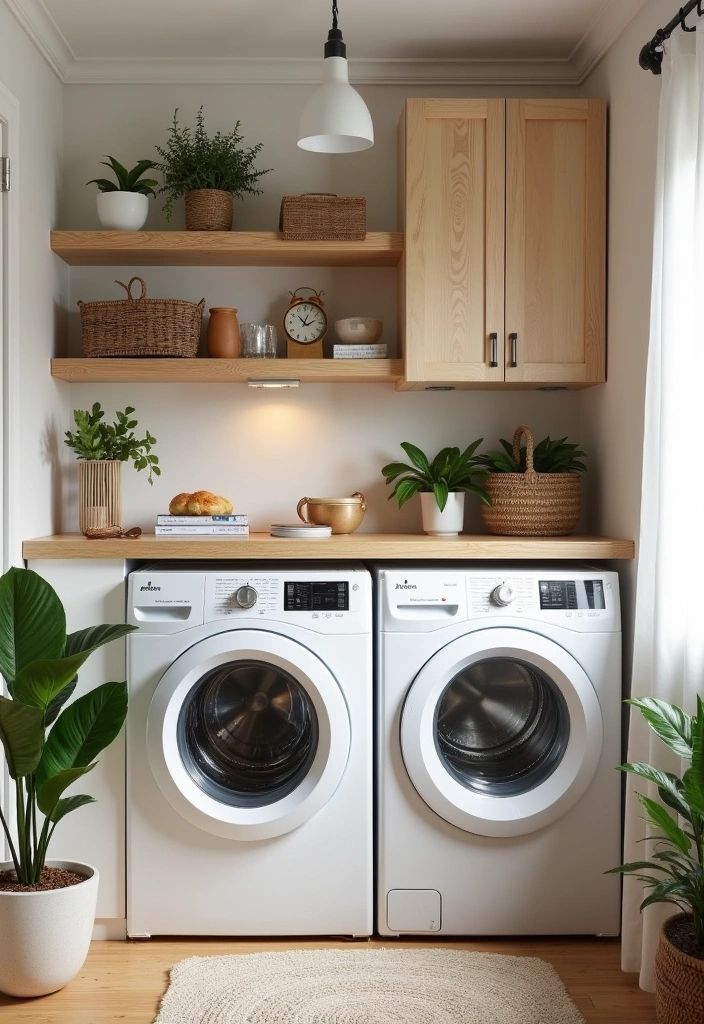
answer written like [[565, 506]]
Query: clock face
[[305, 322]]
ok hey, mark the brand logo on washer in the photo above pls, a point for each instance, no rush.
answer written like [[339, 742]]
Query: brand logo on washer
[[149, 587], [406, 586]]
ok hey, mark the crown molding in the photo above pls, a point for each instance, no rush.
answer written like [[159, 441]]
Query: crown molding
[[603, 32], [610, 21], [45, 34]]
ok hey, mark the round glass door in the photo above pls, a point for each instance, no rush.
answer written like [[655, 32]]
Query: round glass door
[[248, 734], [501, 732]]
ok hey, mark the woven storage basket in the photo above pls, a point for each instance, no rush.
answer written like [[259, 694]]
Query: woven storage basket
[[679, 981], [209, 209], [322, 215], [531, 504], [141, 326]]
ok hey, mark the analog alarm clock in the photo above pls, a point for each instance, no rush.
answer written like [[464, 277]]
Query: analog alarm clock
[[305, 325]]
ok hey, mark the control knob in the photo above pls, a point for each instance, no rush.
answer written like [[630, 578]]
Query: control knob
[[502, 595], [246, 597]]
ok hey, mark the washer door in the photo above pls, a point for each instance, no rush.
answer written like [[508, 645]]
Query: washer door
[[501, 732], [248, 734]]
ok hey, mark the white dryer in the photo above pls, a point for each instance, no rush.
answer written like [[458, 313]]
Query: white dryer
[[499, 710], [249, 789]]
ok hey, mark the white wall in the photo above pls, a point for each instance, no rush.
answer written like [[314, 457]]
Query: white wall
[[261, 451], [43, 282], [612, 416]]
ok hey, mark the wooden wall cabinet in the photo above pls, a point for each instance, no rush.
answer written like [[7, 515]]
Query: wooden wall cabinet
[[503, 204]]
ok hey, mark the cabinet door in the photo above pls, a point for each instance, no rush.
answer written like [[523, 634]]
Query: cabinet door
[[452, 275], [555, 241]]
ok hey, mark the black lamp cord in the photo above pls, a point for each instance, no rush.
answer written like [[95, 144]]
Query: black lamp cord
[[335, 46]]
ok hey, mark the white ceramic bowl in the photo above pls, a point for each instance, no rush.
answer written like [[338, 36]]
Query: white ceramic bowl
[[359, 330]]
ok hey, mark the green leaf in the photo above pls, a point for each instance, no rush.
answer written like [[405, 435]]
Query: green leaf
[[636, 865], [668, 722], [83, 729], [395, 469], [479, 491], [405, 489], [104, 184], [32, 622], [441, 492], [93, 637], [50, 791], [694, 778], [664, 891], [416, 456], [666, 823], [670, 788], [39, 683], [68, 804], [22, 736], [54, 706]]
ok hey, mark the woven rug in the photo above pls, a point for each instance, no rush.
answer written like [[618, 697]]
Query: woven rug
[[378, 986]]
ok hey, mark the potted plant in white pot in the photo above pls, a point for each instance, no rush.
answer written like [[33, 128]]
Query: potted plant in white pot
[[47, 908], [442, 484], [208, 172], [123, 204], [677, 859], [101, 449]]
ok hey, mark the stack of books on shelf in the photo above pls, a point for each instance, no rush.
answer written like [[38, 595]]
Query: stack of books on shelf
[[202, 526], [359, 352]]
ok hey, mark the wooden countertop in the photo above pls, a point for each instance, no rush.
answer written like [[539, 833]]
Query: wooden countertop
[[354, 546]]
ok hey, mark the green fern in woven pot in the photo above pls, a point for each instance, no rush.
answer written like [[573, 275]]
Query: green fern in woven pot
[[209, 171], [535, 490]]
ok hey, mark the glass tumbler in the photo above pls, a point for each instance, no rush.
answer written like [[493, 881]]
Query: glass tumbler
[[258, 341]]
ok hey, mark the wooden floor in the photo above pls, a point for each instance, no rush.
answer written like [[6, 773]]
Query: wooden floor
[[124, 981]]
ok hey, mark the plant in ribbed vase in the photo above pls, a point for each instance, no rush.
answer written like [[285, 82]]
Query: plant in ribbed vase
[[49, 745]]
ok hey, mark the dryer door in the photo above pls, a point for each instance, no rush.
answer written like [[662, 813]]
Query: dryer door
[[501, 732], [248, 734]]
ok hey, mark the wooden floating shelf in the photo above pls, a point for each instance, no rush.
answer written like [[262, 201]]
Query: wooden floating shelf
[[226, 371], [221, 249], [354, 546]]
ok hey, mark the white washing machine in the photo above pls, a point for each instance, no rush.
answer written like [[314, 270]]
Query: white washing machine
[[250, 750], [499, 710]]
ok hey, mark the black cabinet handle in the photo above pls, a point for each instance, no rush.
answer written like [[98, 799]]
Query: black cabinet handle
[[513, 338], [494, 339]]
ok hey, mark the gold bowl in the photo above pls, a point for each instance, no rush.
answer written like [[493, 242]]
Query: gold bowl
[[342, 515], [359, 330]]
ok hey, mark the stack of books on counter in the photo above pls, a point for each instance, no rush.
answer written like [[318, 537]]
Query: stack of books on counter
[[202, 526], [359, 352]]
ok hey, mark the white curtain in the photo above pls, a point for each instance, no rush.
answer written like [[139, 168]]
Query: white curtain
[[669, 630]]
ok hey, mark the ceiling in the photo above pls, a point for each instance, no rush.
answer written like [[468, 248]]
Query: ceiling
[[399, 40]]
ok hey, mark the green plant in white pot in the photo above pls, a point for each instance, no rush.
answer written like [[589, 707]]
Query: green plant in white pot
[[123, 204], [442, 484], [675, 872], [47, 908]]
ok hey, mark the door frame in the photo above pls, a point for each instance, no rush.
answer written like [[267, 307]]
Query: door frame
[[9, 326]]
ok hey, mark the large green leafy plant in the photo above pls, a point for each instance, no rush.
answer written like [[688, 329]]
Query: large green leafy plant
[[127, 181], [678, 857], [94, 439], [47, 748], [450, 470], [548, 457], [192, 160]]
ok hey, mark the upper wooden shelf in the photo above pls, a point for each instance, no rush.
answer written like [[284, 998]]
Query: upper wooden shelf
[[355, 546], [221, 249], [226, 371]]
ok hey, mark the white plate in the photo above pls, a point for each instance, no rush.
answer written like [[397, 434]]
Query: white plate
[[300, 531]]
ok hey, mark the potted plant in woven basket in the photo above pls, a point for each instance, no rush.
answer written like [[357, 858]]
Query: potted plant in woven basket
[[534, 489], [123, 204], [677, 859], [47, 908], [442, 484], [101, 449], [208, 172]]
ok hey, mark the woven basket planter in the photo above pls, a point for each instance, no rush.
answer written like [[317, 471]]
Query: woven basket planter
[[679, 980], [141, 326], [532, 504], [209, 209]]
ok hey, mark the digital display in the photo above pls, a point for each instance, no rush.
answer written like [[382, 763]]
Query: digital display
[[564, 595], [316, 597]]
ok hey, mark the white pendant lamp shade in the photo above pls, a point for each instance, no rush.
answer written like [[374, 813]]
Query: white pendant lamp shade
[[335, 119]]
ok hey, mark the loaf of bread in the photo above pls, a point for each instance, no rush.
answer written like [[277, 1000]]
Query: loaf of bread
[[200, 503]]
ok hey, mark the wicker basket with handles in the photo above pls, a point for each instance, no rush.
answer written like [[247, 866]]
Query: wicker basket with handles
[[141, 326], [531, 504]]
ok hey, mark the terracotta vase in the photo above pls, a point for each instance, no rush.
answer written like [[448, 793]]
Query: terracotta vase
[[223, 335]]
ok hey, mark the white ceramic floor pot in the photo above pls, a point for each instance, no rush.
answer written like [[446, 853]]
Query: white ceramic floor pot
[[45, 936], [447, 523], [122, 211]]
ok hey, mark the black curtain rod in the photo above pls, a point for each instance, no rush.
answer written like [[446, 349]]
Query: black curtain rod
[[651, 55]]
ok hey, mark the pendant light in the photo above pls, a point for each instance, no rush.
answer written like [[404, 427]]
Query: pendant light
[[335, 119]]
